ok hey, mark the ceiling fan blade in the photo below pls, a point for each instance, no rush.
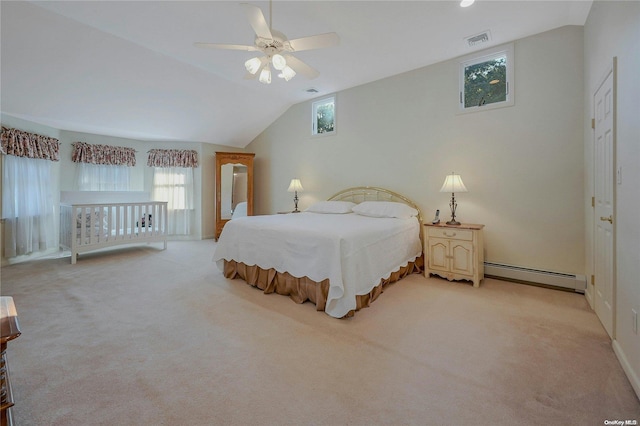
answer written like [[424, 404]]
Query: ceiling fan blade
[[300, 67], [244, 47], [319, 41], [257, 21]]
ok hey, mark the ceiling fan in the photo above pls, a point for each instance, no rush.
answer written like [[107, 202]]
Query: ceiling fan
[[277, 49]]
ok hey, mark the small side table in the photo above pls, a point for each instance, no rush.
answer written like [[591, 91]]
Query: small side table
[[454, 252], [9, 330]]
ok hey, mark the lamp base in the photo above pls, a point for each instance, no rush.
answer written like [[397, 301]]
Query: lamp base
[[453, 222], [295, 203]]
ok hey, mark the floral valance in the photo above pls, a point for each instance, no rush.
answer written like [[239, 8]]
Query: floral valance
[[23, 144], [173, 158], [103, 154]]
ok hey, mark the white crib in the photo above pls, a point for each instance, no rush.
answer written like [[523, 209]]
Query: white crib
[[92, 226]]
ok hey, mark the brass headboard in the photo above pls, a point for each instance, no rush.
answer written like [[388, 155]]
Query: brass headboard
[[359, 194]]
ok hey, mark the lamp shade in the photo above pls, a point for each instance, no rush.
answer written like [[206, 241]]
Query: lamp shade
[[295, 185], [253, 65], [278, 62], [265, 75], [287, 73], [453, 183]]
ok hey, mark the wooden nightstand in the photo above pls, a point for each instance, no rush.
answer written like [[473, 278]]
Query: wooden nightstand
[[454, 252]]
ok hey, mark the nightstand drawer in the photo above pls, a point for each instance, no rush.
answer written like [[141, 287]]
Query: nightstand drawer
[[451, 233]]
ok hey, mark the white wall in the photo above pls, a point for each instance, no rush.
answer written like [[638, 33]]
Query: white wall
[[522, 165], [613, 30], [208, 188]]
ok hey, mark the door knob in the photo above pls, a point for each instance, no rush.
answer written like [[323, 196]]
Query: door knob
[[609, 219]]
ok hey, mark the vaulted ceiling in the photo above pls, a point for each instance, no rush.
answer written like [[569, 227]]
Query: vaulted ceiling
[[130, 69]]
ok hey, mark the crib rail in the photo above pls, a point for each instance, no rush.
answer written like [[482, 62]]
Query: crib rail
[[87, 227]]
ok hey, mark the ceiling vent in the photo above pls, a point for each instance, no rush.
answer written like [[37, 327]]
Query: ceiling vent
[[482, 38]]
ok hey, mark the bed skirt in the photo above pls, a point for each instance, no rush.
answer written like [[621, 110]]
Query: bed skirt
[[302, 289]]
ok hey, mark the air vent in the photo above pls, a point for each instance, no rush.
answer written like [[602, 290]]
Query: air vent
[[482, 38], [311, 90]]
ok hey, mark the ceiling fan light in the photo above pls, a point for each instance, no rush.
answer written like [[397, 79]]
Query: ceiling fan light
[[278, 62], [253, 65], [287, 73], [265, 75]]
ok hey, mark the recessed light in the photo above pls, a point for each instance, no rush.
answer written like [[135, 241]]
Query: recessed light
[[466, 3]]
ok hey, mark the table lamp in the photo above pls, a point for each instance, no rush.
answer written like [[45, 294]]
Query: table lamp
[[294, 187], [453, 183]]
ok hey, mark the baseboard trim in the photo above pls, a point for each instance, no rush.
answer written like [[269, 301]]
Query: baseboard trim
[[531, 283], [588, 294], [627, 367], [51, 252], [577, 283]]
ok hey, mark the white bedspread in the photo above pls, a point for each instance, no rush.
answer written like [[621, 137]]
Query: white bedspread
[[354, 252]]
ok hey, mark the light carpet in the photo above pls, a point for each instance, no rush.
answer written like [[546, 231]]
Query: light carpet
[[140, 336]]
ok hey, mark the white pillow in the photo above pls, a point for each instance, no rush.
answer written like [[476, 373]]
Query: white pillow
[[385, 209], [240, 210], [334, 207]]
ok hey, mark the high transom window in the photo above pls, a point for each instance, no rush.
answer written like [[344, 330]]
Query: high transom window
[[323, 116], [486, 80]]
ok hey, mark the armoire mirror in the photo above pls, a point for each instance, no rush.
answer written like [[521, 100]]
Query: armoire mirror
[[234, 186]]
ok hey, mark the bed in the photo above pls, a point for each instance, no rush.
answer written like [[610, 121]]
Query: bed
[[339, 254], [88, 226]]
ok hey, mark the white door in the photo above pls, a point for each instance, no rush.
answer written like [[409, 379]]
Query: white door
[[604, 104]]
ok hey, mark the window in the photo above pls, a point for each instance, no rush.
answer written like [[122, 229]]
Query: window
[[323, 116], [101, 177], [27, 206], [486, 80], [175, 185]]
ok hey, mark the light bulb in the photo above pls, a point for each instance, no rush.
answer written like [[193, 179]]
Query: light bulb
[[278, 62], [287, 73], [265, 75], [253, 65]]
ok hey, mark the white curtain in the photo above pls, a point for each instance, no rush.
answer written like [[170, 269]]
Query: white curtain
[[99, 177], [175, 185], [27, 206]]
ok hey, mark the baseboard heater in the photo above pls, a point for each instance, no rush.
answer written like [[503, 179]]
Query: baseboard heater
[[577, 283]]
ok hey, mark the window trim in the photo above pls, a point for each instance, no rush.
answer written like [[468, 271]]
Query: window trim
[[484, 56], [314, 108]]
